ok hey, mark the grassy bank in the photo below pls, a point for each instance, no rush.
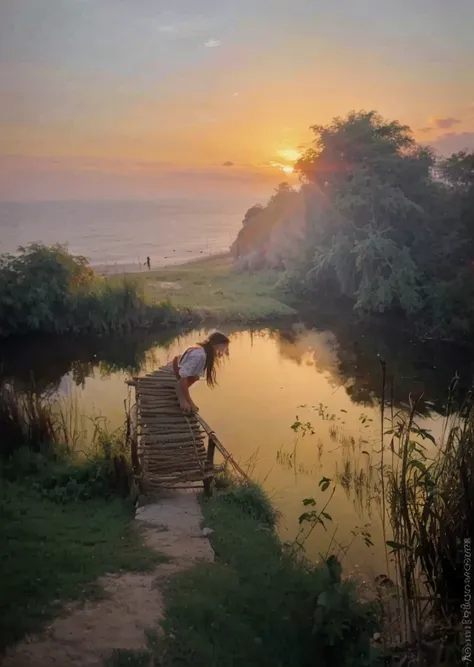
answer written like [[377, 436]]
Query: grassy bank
[[257, 606], [64, 521], [46, 290], [213, 289], [54, 551]]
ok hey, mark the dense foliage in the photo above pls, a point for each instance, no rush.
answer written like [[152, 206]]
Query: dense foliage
[[48, 290], [386, 226]]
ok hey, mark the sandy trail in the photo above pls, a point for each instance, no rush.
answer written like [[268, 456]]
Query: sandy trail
[[87, 634]]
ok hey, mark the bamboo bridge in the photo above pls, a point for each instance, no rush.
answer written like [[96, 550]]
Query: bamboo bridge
[[168, 446]]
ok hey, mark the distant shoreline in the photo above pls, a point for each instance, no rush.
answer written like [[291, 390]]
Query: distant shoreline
[[135, 268]]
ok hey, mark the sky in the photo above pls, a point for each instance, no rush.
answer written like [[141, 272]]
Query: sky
[[139, 98]]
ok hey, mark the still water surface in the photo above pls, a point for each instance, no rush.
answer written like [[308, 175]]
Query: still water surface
[[270, 375]]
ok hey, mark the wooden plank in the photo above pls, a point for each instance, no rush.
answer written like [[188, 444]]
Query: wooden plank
[[171, 428], [190, 456], [175, 437], [174, 446], [170, 468]]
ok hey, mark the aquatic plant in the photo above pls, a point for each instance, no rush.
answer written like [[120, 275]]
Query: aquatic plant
[[424, 488], [429, 487]]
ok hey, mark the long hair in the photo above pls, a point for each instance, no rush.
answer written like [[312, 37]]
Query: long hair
[[212, 362]]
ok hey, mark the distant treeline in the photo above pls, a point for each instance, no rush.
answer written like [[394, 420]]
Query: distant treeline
[[377, 222]]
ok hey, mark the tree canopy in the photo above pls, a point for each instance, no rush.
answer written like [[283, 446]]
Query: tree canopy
[[386, 226]]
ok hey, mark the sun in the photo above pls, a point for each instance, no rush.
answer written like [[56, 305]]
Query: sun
[[289, 154], [286, 168]]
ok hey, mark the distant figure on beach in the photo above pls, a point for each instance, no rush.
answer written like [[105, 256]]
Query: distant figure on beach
[[148, 263]]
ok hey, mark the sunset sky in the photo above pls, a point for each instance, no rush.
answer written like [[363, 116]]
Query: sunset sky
[[137, 98]]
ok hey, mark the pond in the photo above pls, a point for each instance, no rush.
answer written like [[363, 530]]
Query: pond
[[274, 377]]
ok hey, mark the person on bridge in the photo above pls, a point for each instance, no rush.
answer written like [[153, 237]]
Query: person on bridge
[[196, 361]]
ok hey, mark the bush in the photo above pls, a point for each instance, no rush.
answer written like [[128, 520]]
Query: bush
[[64, 481], [48, 290]]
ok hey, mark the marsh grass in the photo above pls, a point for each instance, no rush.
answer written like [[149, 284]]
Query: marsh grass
[[423, 488], [26, 420], [429, 487]]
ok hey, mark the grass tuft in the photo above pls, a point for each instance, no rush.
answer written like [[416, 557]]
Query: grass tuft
[[252, 500], [125, 658]]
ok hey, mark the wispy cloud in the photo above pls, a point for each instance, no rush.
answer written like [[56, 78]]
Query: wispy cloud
[[442, 122], [184, 28], [212, 43]]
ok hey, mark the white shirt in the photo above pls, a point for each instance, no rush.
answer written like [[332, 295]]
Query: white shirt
[[192, 362]]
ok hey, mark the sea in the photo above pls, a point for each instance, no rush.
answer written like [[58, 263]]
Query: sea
[[118, 235]]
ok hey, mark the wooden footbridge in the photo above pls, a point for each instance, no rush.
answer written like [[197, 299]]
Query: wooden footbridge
[[168, 446]]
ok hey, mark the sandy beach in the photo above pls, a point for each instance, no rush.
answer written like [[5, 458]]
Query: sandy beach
[[123, 269]]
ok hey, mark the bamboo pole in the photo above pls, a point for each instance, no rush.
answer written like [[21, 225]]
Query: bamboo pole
[[220, 446]]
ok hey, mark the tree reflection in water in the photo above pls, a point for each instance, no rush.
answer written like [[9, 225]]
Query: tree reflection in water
[[349, 354]]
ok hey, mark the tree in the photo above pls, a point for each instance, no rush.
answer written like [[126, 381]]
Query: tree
[[369, 186], [260, 241], [252, 212], [458, 172]]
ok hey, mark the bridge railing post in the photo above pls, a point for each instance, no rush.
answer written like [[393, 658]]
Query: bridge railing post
[[208, 480]]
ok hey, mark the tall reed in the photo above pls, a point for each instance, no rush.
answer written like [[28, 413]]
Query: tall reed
[[429, 486], [25, 421]]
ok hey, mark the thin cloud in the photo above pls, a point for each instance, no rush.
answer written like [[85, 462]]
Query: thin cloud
[[212, 43], [228, 163], [443, 122], [184, 28]]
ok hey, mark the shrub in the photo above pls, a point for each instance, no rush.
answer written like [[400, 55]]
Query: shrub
[[48, 290]]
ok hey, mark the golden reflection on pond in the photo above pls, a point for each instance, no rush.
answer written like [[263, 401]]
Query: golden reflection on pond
[[270, 380]]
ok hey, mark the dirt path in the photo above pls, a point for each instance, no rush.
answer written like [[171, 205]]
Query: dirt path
[[86, 635]]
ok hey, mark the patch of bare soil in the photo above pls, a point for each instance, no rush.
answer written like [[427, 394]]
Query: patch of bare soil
[[87, 634]]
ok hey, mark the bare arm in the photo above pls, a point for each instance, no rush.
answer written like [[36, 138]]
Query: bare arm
[[185, 401]]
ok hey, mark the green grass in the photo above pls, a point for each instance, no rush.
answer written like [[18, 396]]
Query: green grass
[[257, 606], [213, 289], [124, 658], [51, 553]]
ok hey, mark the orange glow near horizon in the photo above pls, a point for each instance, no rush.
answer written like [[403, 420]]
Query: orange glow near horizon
[[205, 97]]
